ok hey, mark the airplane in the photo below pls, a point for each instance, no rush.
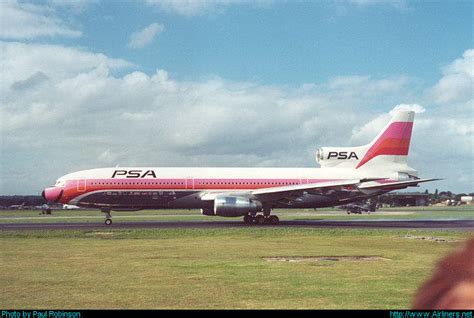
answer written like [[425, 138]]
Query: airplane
[[358, 208], [70, 207], [345, 175], [17, 206]]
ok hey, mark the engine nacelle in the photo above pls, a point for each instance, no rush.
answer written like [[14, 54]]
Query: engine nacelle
[[233, 206], [319, 155]]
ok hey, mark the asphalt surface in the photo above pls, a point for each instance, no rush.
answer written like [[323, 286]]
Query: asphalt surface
[[467, 225]]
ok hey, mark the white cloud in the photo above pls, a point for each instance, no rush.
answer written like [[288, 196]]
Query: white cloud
[[29, 21], [20, 61], [397, 4], [457, 83], [107, 157], [144, 37], [202, 7], [65, 116], [418, 109], [364, 134], [77, 6]]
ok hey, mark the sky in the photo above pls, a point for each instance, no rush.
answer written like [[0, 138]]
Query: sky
[[91, 83]]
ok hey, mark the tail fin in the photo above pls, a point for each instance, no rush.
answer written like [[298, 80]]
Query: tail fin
[[389, 149], [393, 142]]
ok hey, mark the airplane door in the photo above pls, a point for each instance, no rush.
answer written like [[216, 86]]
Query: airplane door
[[81, 185], [190, 183]]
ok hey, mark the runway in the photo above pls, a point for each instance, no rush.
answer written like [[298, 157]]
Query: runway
[[457, 224]]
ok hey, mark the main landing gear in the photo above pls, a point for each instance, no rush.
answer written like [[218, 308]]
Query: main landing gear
[[108, 217], [261, 219]]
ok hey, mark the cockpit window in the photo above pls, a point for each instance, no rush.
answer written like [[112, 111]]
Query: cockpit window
[[60, 183]]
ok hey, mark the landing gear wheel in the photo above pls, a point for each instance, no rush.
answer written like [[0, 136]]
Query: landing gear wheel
[[248, 219], [273, 220], [259, 220], [266, 211], [108, 217]]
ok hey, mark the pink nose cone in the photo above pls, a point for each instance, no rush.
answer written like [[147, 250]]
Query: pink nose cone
[[52, 194]]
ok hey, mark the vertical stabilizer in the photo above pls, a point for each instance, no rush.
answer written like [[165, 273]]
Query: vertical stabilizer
[[393, 142], [388, 150]]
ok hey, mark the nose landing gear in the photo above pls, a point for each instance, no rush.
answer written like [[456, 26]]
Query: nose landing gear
[[108, 217]]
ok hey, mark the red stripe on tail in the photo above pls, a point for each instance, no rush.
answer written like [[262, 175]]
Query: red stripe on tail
[[394, 141]]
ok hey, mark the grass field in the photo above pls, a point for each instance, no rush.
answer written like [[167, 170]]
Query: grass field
[[255, 267]]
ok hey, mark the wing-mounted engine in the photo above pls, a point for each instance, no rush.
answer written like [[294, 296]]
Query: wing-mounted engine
[[233, 206]]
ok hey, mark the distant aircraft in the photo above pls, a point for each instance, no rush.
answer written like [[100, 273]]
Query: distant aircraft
[[358, 208], [347, 174], [70, 207], [17, 206]]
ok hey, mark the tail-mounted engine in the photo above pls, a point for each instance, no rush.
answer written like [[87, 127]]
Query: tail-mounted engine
[[344, 157]]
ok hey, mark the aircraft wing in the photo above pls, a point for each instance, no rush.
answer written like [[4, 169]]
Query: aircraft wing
[[289, 193], [294, 191], [393, 185]]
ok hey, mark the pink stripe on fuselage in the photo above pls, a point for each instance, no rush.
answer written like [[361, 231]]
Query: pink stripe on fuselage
[[200, 184]]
